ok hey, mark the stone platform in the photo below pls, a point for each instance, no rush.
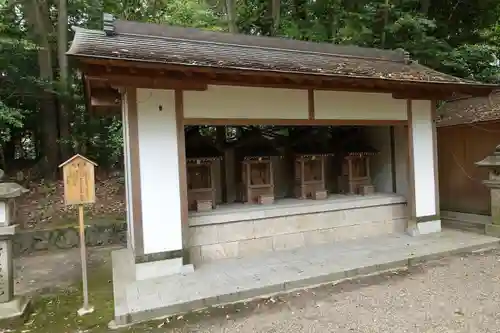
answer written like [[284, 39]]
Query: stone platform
[[233, 280], [240, 230]]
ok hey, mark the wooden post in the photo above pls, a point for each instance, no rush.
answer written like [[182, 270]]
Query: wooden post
[[367, 167], [212, 183], [271, 176], [323, 180], [302, 179], [248, 170], [349, 177], [83, 255], [79, 189]]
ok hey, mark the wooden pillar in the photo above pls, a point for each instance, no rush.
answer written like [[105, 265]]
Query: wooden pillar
[[133, 171], [271, 176], [212, 183], [302, 179], [323, 180], [349, 177], [248, 169]]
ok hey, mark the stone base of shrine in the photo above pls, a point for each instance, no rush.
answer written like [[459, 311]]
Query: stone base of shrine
[[242, 230]]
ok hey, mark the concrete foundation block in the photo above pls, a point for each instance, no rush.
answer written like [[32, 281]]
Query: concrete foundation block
[[492, 230], [429, 227], [203, 205], [320, 195], [266, 199], [366, 189]]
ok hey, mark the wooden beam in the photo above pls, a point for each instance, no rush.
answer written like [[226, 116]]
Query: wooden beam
[[151, 82], [290, 122], [330, 82], [419, 95], [310, 98], [190, 79]]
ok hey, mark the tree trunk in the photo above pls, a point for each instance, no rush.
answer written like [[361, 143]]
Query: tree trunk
[[62, 45], [299, 14], [424, 6], [276, 11], [384, 26], [38, 19], [231, 15]]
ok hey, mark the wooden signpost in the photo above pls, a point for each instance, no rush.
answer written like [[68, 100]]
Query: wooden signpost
[[79, 189]]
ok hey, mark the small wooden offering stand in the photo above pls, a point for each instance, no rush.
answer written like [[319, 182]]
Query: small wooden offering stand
[[310, 155], [356, 178], [257, 179], [201, 154]]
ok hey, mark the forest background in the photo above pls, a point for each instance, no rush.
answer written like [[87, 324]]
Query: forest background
[[43, 119]]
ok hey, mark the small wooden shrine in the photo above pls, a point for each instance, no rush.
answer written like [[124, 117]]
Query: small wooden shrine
[[257, 178], [356, 178], [310, 156], [201, 154]]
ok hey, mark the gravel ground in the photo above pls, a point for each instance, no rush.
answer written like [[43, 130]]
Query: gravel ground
[[453, 295], [456, 294]]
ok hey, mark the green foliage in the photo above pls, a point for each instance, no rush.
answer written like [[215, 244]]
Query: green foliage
[[9, 118], [461, 38]]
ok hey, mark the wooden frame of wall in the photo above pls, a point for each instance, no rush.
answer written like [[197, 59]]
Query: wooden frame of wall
[[121, 76]]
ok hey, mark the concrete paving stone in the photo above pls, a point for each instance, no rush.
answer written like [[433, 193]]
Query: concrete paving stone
[[229, 232], [219, 251], [233, 280], [254, 246]]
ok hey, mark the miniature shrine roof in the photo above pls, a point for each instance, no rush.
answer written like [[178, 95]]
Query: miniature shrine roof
[[469, 110], [254, 144], [359, 148], [313, 143], [136, 42], [199, 146]]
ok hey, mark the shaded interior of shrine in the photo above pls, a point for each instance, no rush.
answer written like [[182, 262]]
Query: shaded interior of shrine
[[260, 167]]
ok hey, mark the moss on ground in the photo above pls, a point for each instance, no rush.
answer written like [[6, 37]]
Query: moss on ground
[[57, 312]]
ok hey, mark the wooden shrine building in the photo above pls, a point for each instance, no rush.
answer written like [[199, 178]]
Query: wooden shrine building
[[355, 177], [257, 175], [201, 154], [310, 156], [168, 78]]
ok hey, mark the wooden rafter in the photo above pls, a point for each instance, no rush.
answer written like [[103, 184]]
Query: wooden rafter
[[208, 75]]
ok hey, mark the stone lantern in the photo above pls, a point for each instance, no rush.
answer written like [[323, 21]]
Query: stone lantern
[[492, 162], [10, 306]]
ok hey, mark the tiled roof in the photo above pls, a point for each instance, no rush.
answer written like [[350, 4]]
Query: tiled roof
[[161, 44], [469, 110]]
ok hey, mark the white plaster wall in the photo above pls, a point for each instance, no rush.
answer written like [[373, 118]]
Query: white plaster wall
[[228, 102], [159, 165], [337, 105], [423, 155], [401, 158], [4, 213], [380, 165], [128, 187]]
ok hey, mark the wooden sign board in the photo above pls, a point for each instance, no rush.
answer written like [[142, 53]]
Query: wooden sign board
[[79, 180]]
